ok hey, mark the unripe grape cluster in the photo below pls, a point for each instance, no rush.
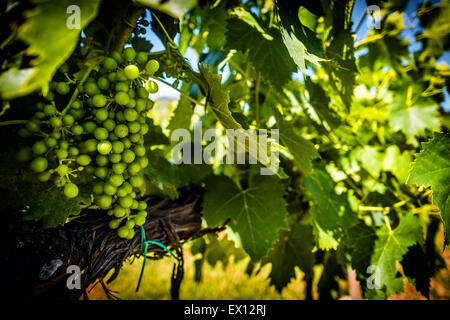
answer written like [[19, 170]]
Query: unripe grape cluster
[[98, 138]]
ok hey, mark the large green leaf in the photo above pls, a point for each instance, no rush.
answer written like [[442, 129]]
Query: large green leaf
[[174, 8], [269, 56], [294, 248], [256, 212], [390, 247], [432, 169], [300, 41], [50, 40]]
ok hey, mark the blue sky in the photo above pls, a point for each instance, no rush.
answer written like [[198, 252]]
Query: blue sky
[[358, 12]]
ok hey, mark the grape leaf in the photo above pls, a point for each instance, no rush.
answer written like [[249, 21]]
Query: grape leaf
[[174, 8], [390, 247], [256, 212], [162, 174], [414, 119], [397, 163], [300, 41], [339, 48], [431, 168], [270, 57], [294, 248], [50, 40], [329, 210]]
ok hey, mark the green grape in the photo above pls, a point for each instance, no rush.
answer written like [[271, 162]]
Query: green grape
[[99, 100], [97, 187], [89, 126], [77, 130], [134, 127], [126, 143], [62, 154], [117, 147], [131, 103], [91, 88], [62, 88], [128, 187], [121, 192], [39, 147], [51, 142], [104, 201], [131, 93], [40, 115], [44, 176], [126, 202], [119, 168], [77, 113], [84, 160], [144, 129], [115, 157], [119, 116], [70, 190], [142, 212], [116, 56], [101, 133], [123, 231], [68, 120], [73, 151], [24, 154], [56, 122], [151, 86], [139, 220], [77, 104], [114, 224], [103, 83], [139, 150], [137, 181], [142, 206], [140, 105], [129, 53], [109, 125], [128, 156], [141, 57], [104, 147], [49, 110], [64, 145], [110, 64], [135, 137], [143, 162], [121, 98], [133, 168], [130, 115], [90, 169], [101, 172], [101, 160], [64, 68], [135, 204], [33, 126], [121, 131], [142, 93], [131, 71], [56, 135], [101, 114], [39, 164], [59, 182], [116, 179], [50, 96], [130, 224], [91, 145], [109, 189], [152, 66], [112, 76], [24, 133], [121, 75], [120, 212], [122, 86]]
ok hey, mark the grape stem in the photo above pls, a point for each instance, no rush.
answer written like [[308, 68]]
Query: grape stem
[[180, 91], [12, 122], [75, 93]]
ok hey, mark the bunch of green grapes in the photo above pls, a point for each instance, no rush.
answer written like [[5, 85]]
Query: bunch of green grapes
[[98, 137]]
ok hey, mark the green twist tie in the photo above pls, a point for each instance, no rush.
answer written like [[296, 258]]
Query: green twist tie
[[145, 243]]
